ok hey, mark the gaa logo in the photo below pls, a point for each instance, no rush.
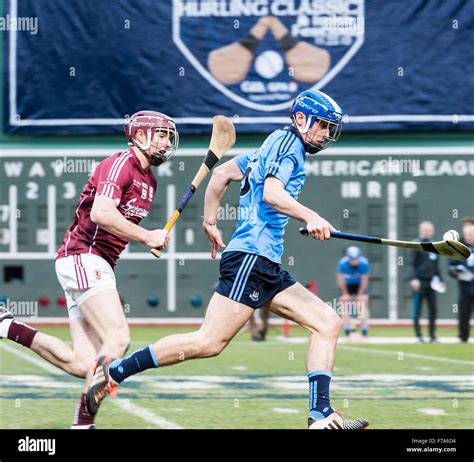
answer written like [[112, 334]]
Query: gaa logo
[[261, 54]]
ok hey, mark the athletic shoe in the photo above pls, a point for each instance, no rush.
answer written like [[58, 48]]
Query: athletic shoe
[[101, 386], [83, 427], [4, 315], [257, 336], [337, 421], [260, 335]]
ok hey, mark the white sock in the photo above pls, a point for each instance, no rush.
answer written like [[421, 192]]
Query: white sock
[[4, 327]]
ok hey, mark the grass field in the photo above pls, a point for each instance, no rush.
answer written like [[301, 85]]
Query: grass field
[[254, 385]]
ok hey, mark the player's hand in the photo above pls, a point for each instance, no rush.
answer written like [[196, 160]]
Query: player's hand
[[214, 237], [415, 285], [345, 298], [361, 298], [157, 239], [319, 228]]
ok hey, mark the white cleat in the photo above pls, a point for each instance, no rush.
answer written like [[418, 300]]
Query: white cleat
[[83, 427], [336, 421], [4, 316]]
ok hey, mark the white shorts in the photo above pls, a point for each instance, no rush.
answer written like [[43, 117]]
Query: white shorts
[[80, 277]]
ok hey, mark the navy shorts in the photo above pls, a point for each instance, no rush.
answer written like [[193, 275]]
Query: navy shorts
[[251, 279], [352, 289]]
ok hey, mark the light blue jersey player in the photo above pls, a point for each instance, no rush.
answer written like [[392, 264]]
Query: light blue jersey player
[[352, 279], [250, 273], [261, 228]]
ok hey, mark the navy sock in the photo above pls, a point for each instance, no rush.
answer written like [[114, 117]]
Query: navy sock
[[364, 330], [138, 361], [319, 406], [347, 331]]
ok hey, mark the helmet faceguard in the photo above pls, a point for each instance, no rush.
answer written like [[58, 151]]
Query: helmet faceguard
[[333, 131], [320, 109], [151, 122]]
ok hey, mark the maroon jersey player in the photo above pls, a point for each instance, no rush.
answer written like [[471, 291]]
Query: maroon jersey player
[[116, 198]]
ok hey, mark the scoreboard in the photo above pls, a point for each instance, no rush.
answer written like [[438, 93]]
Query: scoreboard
[[380, 191]]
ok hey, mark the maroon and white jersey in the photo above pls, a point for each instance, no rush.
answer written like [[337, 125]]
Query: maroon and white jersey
[[122, 178]]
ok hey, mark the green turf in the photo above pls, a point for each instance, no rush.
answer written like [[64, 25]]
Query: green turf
[[256, 385]]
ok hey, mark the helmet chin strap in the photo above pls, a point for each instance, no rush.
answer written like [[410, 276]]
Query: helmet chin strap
[[312, 149], [155, 159], [309, 148]]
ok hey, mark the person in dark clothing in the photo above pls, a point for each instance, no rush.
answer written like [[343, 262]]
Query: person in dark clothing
[[425, 267], [463, 271]]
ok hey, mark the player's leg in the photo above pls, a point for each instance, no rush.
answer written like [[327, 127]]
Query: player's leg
[[74, 360], [309, 311], [103, 310], [466, 305], [345, 314], [77, 359], [254, 327], [348, 303], [71, 359], [364, 314], [101, 328], [432, 313], [265, 318], [258, 324], [467, 312], [85, 339], [224, 318], [303, 307], [95, 294], [417, 300]]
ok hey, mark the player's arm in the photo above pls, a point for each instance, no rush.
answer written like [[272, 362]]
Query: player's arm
[[275, 195], [105, 214], [341, 283], [218, 184], [364, 282], [453, 269]]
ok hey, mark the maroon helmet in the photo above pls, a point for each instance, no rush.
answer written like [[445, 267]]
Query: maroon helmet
[[150, 122]]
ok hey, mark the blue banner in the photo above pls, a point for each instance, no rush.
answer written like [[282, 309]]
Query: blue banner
[[83, 67]]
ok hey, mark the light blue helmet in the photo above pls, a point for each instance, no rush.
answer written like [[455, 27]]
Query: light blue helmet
[[321, 108], [353, 252]]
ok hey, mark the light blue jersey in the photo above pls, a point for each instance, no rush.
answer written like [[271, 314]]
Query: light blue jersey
[[353, 274], [261, 228]]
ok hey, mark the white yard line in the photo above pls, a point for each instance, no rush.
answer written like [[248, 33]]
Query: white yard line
[[408, 355], [432, 411], [124, 405], [357, 339], [41, 363], [145, 414], [285, 410]]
